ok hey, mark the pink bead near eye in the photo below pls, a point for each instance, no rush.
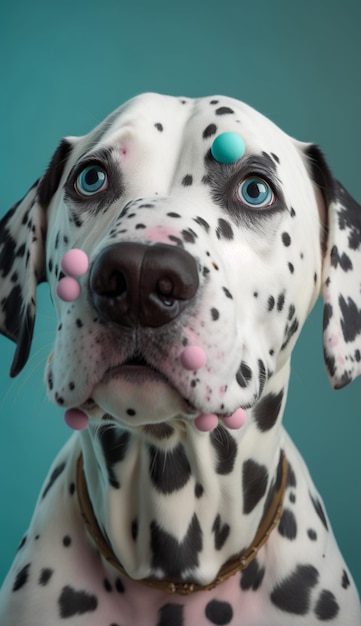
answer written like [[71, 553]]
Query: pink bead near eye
[[206, 422], [193, 358], [75, 262], [68, 289], [76, 419]]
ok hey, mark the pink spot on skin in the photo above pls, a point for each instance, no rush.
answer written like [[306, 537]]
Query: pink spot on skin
[[222, 391], [161, 234]]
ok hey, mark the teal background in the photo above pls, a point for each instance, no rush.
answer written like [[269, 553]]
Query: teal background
[[64, 66]]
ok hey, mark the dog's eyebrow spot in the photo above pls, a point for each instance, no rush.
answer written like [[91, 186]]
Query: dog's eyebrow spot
[[224, 111], [209, 131]]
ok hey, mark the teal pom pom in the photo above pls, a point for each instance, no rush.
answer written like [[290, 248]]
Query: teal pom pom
[[228, 147]]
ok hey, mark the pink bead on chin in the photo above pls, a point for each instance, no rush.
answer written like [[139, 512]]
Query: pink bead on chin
[[206, 422], [236, 420], [193, 357], [76, 419], [68, 289]]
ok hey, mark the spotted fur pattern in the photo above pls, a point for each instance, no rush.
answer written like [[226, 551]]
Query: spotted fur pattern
[[174, 502]]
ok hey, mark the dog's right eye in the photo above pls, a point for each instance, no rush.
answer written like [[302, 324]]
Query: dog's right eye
[[91, 180]]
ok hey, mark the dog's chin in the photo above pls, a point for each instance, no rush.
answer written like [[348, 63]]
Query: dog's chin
[[138, 395]]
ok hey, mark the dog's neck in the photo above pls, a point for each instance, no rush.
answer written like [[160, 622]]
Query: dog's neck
[[176, 503]]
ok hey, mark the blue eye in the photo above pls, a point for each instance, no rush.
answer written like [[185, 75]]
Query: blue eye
[[91, 180], [255, 192]]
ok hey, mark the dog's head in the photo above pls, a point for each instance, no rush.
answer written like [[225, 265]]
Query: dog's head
[[190, 257]]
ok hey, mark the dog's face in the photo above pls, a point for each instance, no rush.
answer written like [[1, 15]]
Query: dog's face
[[252, 239]]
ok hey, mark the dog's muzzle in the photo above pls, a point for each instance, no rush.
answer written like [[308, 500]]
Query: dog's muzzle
[[133, 284]]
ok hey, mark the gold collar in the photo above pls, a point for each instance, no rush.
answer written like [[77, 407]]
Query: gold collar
[[234, 565]]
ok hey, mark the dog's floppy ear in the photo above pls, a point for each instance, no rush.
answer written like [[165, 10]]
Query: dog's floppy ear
[[341, 278], [22, 257]]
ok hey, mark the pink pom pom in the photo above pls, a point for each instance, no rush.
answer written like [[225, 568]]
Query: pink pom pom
[[68, 289], [206, 422], [236, 420], [193, 357], [76, 419], [75, 262]]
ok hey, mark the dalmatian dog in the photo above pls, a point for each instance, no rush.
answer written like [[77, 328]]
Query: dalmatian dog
[[184, 242]]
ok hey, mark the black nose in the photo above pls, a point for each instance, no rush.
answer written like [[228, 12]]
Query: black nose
[[135, 283]]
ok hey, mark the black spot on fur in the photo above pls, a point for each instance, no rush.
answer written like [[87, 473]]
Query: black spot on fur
[[254, 482], [351, 318], [262, 375], [345, 580], [49, 183], [214, 314], [349, 216], [54, 475], [226, 450], [115, 446], [224, 111], [171, 615], [187, 180], [289, 332], [286, 239], [45, 575], [221, 532], [319, 510], [159, 126], [189, 235], [21, 577], [312, 534], [343, 261], [219, 612], [174, 557], [293, 594], [227, 293], [209, 131], [280, 302], [22, 543], [224, 230], [198, 490], [291, 477], [267, 411], [270, 303], [252, 576], [326, 607], [244, 375], [202, 222], [287, 526], [72, 602], [169, 470], [327, 314]]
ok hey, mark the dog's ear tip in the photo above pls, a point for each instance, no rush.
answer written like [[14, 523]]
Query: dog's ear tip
[[23, 347]]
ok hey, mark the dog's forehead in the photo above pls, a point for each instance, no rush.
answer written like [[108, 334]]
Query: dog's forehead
[[187, 122]]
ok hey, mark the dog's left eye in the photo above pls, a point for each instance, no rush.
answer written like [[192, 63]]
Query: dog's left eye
[[255, 192], [91, 180]]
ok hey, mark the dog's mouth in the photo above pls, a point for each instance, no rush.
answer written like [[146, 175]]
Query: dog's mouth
[[137, 393]]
